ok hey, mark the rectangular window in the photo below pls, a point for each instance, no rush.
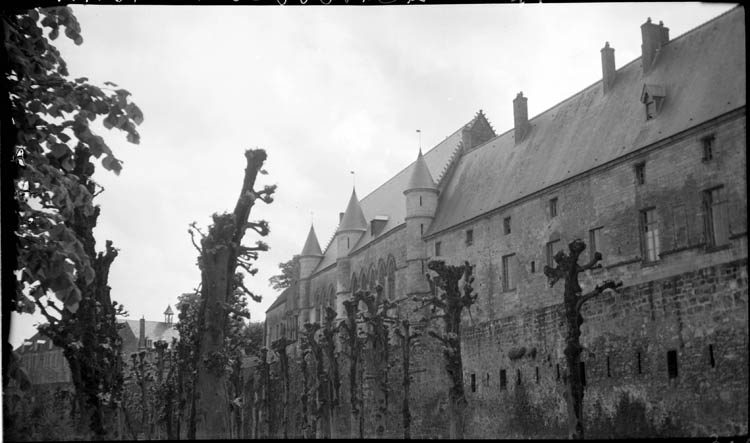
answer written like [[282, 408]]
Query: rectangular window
[[503, 379], [552, 248], [638, 357], [553, 207], [708, 147], [518, 376], [557, 369], [506, 225], [421, 229], [679, 226], [437, 248], [473, 383], [509, 272], [487, 379], [672, 363], [716, 220], [711, 360], [536, 374], [469, 237], [650, 237], [595, 241], [609, 372], [640, 173], [533, 266]]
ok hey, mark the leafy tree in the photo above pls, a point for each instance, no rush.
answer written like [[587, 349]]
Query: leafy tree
[[288, 275], [449, 302], [221, 254], [54, 191], [567, 269]]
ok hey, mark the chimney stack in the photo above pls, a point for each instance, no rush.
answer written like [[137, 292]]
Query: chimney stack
[[142, 334], [654, 37], [608, 67], [520, 117]]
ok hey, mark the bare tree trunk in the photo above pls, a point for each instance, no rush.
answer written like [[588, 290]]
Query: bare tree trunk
[[220, 250]]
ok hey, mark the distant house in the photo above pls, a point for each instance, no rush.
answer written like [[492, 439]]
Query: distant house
[[45, 364]]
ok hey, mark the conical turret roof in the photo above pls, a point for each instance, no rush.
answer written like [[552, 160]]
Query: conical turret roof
[[354, 218], [312, 247], [420, 175], [169, 310]]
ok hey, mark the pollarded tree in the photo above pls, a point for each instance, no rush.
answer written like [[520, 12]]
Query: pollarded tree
[[353, 352], [279, 347], [49, 134], [404, 332], [447, 302], [567, 269], [328, 343], [376, 318], [221, 254]]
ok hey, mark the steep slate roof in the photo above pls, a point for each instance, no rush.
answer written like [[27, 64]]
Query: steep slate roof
[[155, 330], [353, 219], [169, 310], [703, 74], [312, 247], [281, 298], [388, 198], [420, 175]]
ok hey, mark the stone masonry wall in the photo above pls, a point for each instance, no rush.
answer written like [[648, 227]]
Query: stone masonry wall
[[702, 315]]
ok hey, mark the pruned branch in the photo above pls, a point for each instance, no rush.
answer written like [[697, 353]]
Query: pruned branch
[[607, 285]]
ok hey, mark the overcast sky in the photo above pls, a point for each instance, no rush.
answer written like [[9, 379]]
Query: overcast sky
[[325, 90]]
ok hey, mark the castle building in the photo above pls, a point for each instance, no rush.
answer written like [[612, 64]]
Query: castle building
[[648, 167]]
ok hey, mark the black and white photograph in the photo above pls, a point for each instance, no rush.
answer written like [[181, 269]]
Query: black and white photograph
[[373, 219]]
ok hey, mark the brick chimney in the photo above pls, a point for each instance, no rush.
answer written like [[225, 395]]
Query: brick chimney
[[520, 117], [142, 334], [654, 37], [608, 67]]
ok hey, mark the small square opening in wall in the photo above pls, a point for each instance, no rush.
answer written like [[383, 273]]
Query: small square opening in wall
[[473, 382], [506, 225], [672, 363], [469, 237], [533, 266], [503, 379], [437, 248]]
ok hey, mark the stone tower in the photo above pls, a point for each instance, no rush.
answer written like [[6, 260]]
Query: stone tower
[[421, 204], [309, 259], [351, 228]]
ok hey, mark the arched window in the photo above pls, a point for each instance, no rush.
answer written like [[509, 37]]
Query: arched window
[[391, 278], [331, 299], [363, 281], [373, 280], [316, 307], [355, 285], [382, 278]]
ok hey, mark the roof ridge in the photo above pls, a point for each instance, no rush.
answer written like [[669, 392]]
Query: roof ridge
[[460, 128], [581, 91]]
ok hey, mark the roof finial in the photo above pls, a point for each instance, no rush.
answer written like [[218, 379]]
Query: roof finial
[[419, 131], [354, 184]]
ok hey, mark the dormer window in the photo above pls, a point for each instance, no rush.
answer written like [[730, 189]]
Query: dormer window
[[652, 96]]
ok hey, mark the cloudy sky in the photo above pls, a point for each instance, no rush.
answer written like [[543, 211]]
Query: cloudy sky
[[325, 90]]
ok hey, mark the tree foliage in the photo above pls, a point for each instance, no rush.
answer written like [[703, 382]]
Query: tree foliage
[[54, 143], [287, 277], [52, 117]]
